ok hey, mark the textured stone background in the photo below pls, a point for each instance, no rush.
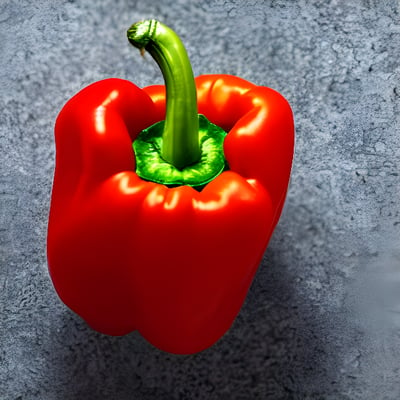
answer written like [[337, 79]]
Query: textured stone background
[[322, 319]]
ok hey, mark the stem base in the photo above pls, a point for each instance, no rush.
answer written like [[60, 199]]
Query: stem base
[[151, 166]]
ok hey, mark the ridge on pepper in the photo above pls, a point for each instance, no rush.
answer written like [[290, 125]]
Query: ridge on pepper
[[167, 248]]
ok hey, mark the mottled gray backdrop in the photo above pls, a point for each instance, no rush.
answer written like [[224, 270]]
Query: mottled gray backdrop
[[322, 318]]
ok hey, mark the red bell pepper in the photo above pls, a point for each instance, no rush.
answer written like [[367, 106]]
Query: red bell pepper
[[172, 261]]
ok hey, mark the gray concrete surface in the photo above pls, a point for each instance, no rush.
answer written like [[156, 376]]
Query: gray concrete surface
[[322, 319]]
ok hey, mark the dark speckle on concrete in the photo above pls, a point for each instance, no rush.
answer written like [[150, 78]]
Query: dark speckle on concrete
[[322, 318]]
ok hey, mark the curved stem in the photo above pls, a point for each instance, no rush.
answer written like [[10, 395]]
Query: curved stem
[[181, 130]]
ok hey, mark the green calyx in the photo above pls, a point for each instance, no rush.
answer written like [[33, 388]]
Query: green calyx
[[151, 166], [185, 149]]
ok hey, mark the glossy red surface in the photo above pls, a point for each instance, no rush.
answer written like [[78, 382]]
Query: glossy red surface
[[174, 263]]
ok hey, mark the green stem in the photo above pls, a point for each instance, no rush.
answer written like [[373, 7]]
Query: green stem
[[181, 130]]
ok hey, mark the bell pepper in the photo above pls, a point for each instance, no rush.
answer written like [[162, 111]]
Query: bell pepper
[[165, 251]]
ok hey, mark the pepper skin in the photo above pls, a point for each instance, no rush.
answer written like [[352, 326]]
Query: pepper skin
[[174, 263]]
